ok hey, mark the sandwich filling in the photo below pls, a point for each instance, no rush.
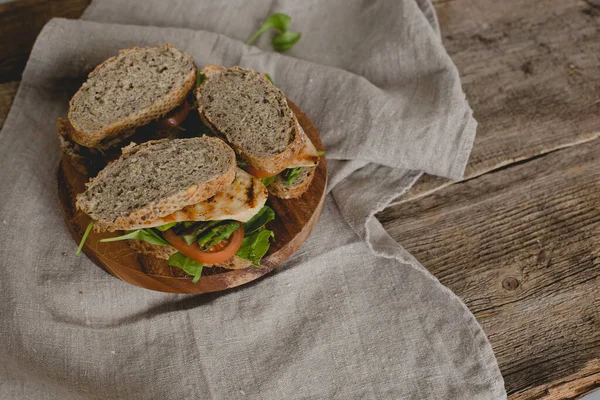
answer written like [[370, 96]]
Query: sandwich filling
[[308, 157], [230, 224]]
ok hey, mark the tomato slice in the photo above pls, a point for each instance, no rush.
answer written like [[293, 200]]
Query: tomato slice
[[259, 173], [176, 116], [220, 252]]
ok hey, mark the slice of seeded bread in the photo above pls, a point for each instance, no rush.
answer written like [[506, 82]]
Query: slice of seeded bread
[[284, 191], [251, 114], [164, 252], [127, 91], [155, 179]]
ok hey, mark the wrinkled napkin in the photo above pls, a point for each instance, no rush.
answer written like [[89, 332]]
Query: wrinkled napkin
[[351, 315]]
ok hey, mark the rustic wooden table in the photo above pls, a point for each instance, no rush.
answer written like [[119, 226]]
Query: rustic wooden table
[[518, 239]]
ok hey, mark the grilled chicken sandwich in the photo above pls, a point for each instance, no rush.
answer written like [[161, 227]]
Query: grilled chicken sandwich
[[245, 109], [141, 90], [184, 200]]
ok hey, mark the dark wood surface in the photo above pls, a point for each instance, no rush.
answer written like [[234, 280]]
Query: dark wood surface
[[20, 23], [295, 220], [529, 270]]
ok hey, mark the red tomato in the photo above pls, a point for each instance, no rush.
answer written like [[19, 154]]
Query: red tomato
[[220, 252], [175, 117], [259, 173]]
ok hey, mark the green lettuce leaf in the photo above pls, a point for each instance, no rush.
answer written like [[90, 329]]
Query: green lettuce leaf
[[265, 215], [147, 235], [292, 175], [255, 246], [190, 266]]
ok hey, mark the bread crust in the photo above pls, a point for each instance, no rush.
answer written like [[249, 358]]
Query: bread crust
[[71, 150], [192, 195], [164, 252], [272, 165], [283, 191], [119, 130]]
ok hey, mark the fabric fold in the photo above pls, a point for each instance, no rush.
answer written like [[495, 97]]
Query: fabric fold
[[350, 315]]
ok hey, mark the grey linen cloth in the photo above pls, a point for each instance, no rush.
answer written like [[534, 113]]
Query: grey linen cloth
[[352, 315]]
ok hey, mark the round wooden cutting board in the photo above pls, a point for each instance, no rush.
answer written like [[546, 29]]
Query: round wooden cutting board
[[295, 219]]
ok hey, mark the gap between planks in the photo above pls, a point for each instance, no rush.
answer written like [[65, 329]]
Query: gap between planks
[[531, 73], [428, 184]]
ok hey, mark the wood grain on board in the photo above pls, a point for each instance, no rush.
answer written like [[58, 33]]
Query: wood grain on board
[[20, 23], [531, 72], [521, 247], [295, 220], [8, 91]]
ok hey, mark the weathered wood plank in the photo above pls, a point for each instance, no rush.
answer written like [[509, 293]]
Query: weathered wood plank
[[521, 247], [531, 72], [572, 387], [8, 91], [20, 23]]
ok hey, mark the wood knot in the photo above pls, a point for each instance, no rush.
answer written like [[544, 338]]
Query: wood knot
[[510, 283], [543, 258]]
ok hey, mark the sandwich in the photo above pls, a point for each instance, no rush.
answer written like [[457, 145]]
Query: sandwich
[[252, 115], [183, 200], [146, 92]]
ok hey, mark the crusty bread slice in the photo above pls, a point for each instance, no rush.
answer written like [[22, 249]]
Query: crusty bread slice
[[164, 252], [284, 191], [251, 114], [127, 91], [155, 179]]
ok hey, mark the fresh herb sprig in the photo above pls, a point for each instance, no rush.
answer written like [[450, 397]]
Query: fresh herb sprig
[[147, 235], [84, 238], [282, 41]]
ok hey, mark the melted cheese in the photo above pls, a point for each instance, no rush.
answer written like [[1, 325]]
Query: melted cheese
[[240, 201], [307, 156]]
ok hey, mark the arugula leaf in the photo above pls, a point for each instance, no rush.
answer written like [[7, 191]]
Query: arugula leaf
[[269, 180], [147, 235], [292, 175], [166, 227], [285, 41], [276, 21], [255, 246], [190, 266], [270, 79], [265, 215], [320, 153], [84, 238], [200, 77]]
